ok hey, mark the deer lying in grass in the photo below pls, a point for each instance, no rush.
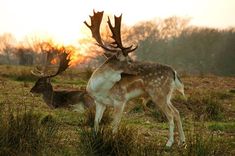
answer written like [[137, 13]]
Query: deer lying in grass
[[79, 99], [121, 79]]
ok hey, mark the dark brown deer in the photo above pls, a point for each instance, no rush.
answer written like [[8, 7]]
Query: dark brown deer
[[79, 99], [120, 79]]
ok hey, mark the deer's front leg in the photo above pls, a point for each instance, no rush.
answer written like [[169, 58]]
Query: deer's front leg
[[118, 109], [100, 108]]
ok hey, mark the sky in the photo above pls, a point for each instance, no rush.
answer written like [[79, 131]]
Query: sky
[[63, 19]]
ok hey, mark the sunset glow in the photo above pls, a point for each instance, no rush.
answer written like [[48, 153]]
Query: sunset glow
[[63, 20]]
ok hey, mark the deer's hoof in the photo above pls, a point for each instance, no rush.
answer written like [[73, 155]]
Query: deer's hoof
[[183, 144], [169, 143]]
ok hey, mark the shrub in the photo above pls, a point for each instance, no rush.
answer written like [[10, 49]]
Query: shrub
[[107, 143], [26, 133], [213, 109]]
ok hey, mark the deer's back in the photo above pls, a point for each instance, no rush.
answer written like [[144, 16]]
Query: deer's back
[[66, 98]]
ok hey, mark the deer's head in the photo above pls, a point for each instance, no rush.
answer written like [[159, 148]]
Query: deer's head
[[43, 84]]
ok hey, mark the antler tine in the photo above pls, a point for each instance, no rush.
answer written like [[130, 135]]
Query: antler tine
[[64, 64], [37, 72], [95, 29], [116, 35], [41, 72]]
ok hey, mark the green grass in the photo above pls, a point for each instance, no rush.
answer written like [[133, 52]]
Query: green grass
[[220, 126], [207, 115]]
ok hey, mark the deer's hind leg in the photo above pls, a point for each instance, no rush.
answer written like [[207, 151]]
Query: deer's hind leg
[[161, 102], [179, 124], [118, 109], [177, 118]]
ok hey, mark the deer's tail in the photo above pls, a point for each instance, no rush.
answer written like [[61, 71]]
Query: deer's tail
[[178, 84]]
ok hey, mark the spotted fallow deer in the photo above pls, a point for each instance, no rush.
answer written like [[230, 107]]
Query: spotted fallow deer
[[120, 79], [78, 99]]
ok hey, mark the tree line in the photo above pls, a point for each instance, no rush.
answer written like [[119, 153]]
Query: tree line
[[173, 41], [198, 50]]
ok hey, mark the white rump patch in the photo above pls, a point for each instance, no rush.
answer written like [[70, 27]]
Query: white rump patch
[[78, 107]]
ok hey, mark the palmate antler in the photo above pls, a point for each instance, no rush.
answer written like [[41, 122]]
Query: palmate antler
[[116, 36], [64, 64], [115, 46]]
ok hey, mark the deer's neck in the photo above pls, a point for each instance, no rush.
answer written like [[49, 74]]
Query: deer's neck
[[102, 80], [48, 97]]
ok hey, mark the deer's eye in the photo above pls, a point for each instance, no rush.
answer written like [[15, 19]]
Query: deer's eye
[[41, 83]]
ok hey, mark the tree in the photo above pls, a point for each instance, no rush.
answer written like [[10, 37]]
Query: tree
[[7, 42]]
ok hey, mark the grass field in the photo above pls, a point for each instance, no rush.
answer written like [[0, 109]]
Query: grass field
[[29, 127]]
